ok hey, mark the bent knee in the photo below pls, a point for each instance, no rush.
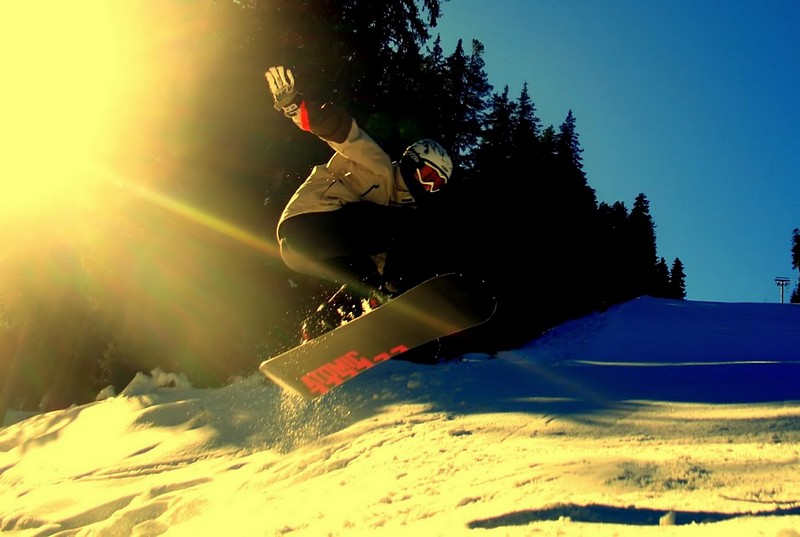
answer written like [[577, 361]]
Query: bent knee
[[295, 260]]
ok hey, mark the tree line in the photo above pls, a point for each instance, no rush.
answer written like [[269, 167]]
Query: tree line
[[522, 216]]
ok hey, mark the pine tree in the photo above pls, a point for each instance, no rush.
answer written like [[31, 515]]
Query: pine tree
[[582, 197], [433, 108], [466, 89], [526, 130], [613, 270], [643, 247], [572, 205], [548, 141], [568, 147], [661, 286], [677, 280], [476, 97], [492, 159]]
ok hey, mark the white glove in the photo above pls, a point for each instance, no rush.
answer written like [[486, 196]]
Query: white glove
[[281, 84]]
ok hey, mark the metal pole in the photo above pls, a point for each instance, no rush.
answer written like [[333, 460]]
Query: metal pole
[[782, 283]]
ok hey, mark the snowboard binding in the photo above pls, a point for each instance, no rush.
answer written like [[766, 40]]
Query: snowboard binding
[[343, 306]]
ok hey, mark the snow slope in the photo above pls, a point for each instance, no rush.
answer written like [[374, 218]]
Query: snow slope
[[680, 413]]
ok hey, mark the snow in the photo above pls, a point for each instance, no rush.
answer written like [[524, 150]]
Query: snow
[[684, 414]]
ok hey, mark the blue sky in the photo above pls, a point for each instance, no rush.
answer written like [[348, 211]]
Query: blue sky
[[696, 104]]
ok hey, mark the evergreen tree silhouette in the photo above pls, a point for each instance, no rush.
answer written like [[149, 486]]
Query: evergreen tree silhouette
[[661, 287], [677, 280], [643, 247]]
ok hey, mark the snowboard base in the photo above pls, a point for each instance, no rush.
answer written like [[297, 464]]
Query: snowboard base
[[436, 308]]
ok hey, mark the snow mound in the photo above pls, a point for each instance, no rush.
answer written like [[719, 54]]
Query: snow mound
[[660, 331], [142, 384]]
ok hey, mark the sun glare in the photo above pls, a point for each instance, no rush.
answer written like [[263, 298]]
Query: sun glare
[[64, 73]]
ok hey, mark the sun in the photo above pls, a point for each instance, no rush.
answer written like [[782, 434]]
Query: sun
[[63, 76]]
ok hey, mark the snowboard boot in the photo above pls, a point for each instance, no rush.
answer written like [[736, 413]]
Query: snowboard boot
[[345, 305]]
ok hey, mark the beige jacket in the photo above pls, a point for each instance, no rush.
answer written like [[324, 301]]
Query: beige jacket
[[359, 170]]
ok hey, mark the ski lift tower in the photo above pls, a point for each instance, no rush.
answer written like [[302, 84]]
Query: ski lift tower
[[782, 283]]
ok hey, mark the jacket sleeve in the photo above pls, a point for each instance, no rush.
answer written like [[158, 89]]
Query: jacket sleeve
[[329, 121]]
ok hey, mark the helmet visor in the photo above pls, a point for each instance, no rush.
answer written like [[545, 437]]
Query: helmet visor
[[431, 179]]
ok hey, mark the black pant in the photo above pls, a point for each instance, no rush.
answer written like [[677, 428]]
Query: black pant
[[339, 244]]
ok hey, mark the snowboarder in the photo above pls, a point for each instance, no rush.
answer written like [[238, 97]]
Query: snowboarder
[[354, 218]]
